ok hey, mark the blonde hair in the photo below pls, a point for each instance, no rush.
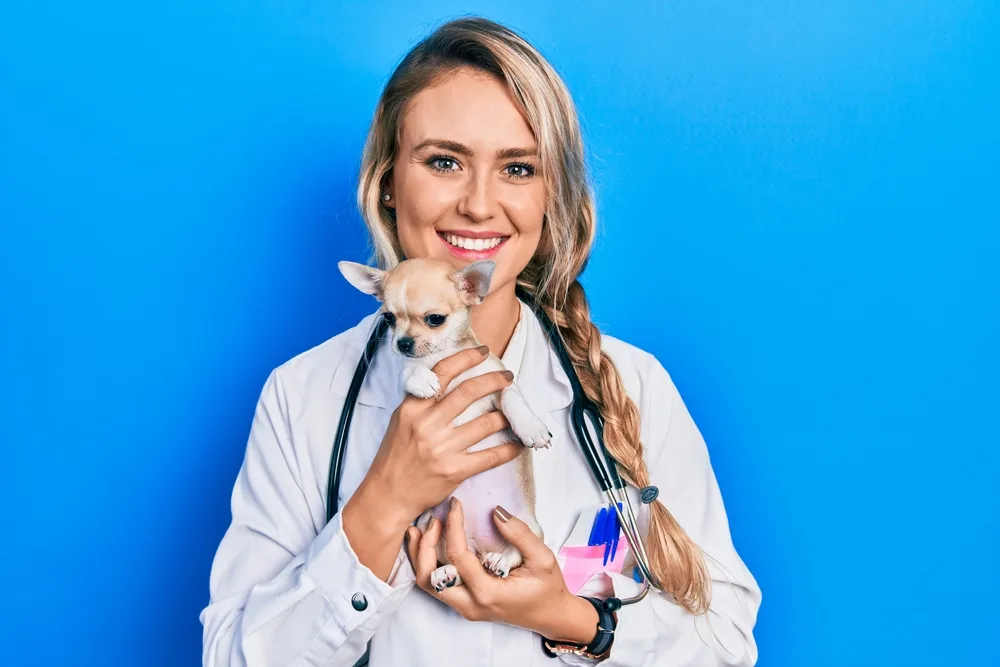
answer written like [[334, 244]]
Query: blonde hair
[[551, 277]]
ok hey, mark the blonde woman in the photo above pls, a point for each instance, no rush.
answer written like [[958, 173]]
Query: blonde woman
[[475, 136]]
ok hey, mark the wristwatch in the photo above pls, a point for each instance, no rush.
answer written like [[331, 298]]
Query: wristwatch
[[600, 645]]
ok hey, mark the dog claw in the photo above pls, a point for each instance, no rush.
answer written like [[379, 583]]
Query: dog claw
[[444, 577]]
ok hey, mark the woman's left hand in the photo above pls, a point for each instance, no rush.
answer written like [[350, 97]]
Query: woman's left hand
[[532, 596]]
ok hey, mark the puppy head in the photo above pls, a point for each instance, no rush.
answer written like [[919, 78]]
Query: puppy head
[[427, 301]]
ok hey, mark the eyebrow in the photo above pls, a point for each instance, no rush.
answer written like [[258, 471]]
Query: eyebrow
[[462, 149]]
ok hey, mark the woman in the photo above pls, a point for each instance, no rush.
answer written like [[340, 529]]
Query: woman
[[475, 136]]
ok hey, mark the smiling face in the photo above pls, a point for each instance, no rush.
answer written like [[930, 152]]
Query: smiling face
[[467, 182]]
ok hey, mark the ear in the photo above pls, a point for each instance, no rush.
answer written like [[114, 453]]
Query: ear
[[473, 281], [367, 279]]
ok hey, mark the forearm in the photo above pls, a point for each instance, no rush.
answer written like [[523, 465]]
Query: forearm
[[575, 621], [375, 527]]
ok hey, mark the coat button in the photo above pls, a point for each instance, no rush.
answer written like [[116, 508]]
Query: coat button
[[359, 602]]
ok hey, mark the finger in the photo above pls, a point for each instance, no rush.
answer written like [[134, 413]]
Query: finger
[[454, 365], [474, 463], [519, 534], [426, 555], [474, 431], [457, 549], [469, 391], [458, 598], [413, 536]]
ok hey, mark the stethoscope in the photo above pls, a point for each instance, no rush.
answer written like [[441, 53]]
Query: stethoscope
[[586, 420]]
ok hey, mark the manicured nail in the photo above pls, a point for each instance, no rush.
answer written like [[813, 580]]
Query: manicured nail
[[509, 376], [502, 514], [483, 349]]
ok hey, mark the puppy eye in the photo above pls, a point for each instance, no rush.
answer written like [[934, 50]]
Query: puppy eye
[[434, 320], [390, 319]]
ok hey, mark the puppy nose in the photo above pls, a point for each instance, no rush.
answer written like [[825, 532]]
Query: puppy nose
[[405, 345]]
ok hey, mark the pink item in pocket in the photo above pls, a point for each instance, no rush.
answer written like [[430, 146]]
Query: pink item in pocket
[[579, 564]]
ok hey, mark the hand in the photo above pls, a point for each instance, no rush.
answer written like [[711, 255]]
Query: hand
[[532, 596], [423, 459]]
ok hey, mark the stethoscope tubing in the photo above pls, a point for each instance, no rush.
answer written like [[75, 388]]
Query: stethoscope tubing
[[584, 415]]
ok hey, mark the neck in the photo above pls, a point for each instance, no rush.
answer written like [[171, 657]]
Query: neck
[[495, 319]]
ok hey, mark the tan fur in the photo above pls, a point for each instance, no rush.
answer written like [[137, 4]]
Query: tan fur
[[412, 291], [563, 251]]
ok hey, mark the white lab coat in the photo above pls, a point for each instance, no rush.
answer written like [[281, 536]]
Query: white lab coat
[[285, 585]]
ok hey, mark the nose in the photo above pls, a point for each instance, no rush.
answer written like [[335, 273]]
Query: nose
[[405, 345], [478, 203]]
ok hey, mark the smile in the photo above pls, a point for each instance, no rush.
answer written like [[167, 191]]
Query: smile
[[481, 246]]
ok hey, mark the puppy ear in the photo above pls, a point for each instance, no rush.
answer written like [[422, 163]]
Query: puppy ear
[[366, 278], [473, 281]]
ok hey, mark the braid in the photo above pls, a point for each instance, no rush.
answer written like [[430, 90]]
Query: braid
[[674, 559], [568, 232]]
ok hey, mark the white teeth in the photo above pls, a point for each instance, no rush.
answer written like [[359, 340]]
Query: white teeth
[[472, 244]]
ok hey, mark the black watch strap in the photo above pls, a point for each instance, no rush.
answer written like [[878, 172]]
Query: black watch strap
[[604, 637]]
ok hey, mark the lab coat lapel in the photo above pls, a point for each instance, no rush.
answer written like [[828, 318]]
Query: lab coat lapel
[[379, 395]]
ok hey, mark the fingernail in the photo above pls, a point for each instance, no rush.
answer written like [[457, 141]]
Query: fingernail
[[483, 349], [502, 514], [509, 376], [453, 503]]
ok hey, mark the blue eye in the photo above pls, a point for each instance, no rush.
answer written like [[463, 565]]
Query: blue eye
[[434, 320], [442, 163], [520, 170]]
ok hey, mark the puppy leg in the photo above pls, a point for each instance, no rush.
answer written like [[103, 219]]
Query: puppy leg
[[444, 577], [502, 562], [420, 381], [508, 558], [528, 428]]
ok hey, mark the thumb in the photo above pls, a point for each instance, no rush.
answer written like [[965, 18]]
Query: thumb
[[519, 534]]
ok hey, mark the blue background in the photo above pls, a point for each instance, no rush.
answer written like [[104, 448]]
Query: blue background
[[800, 219]]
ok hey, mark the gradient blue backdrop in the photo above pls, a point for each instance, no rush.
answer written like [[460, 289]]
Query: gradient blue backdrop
[[800, 211]]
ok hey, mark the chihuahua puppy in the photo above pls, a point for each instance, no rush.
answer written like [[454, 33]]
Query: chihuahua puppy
[[427, 304]]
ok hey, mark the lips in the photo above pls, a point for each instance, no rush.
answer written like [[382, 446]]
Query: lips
[[473, 245]]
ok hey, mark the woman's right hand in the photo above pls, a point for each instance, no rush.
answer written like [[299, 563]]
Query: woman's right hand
[[423, 459]]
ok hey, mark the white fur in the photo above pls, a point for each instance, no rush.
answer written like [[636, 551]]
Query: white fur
[[509, 485]]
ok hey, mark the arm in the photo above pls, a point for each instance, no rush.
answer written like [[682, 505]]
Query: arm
[[657, 631], [281, 591]]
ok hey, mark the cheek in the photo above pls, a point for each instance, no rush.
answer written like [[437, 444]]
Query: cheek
[[421, 204], [526, 209], [421, 196], [526, 214]]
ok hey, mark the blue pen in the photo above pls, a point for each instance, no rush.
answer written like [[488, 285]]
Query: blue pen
[[597, 530], [614, 544], [609, 533]]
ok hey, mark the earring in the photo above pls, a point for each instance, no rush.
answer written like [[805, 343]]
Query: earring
[[386, 196]]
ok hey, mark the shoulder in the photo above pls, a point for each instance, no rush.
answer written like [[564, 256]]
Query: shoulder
[[647, 382], [640, 370], [316, 368]]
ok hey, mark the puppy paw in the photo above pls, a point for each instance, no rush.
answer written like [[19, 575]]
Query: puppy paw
[[528, 428], [422, 383], [444, 577], [497, 564]]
